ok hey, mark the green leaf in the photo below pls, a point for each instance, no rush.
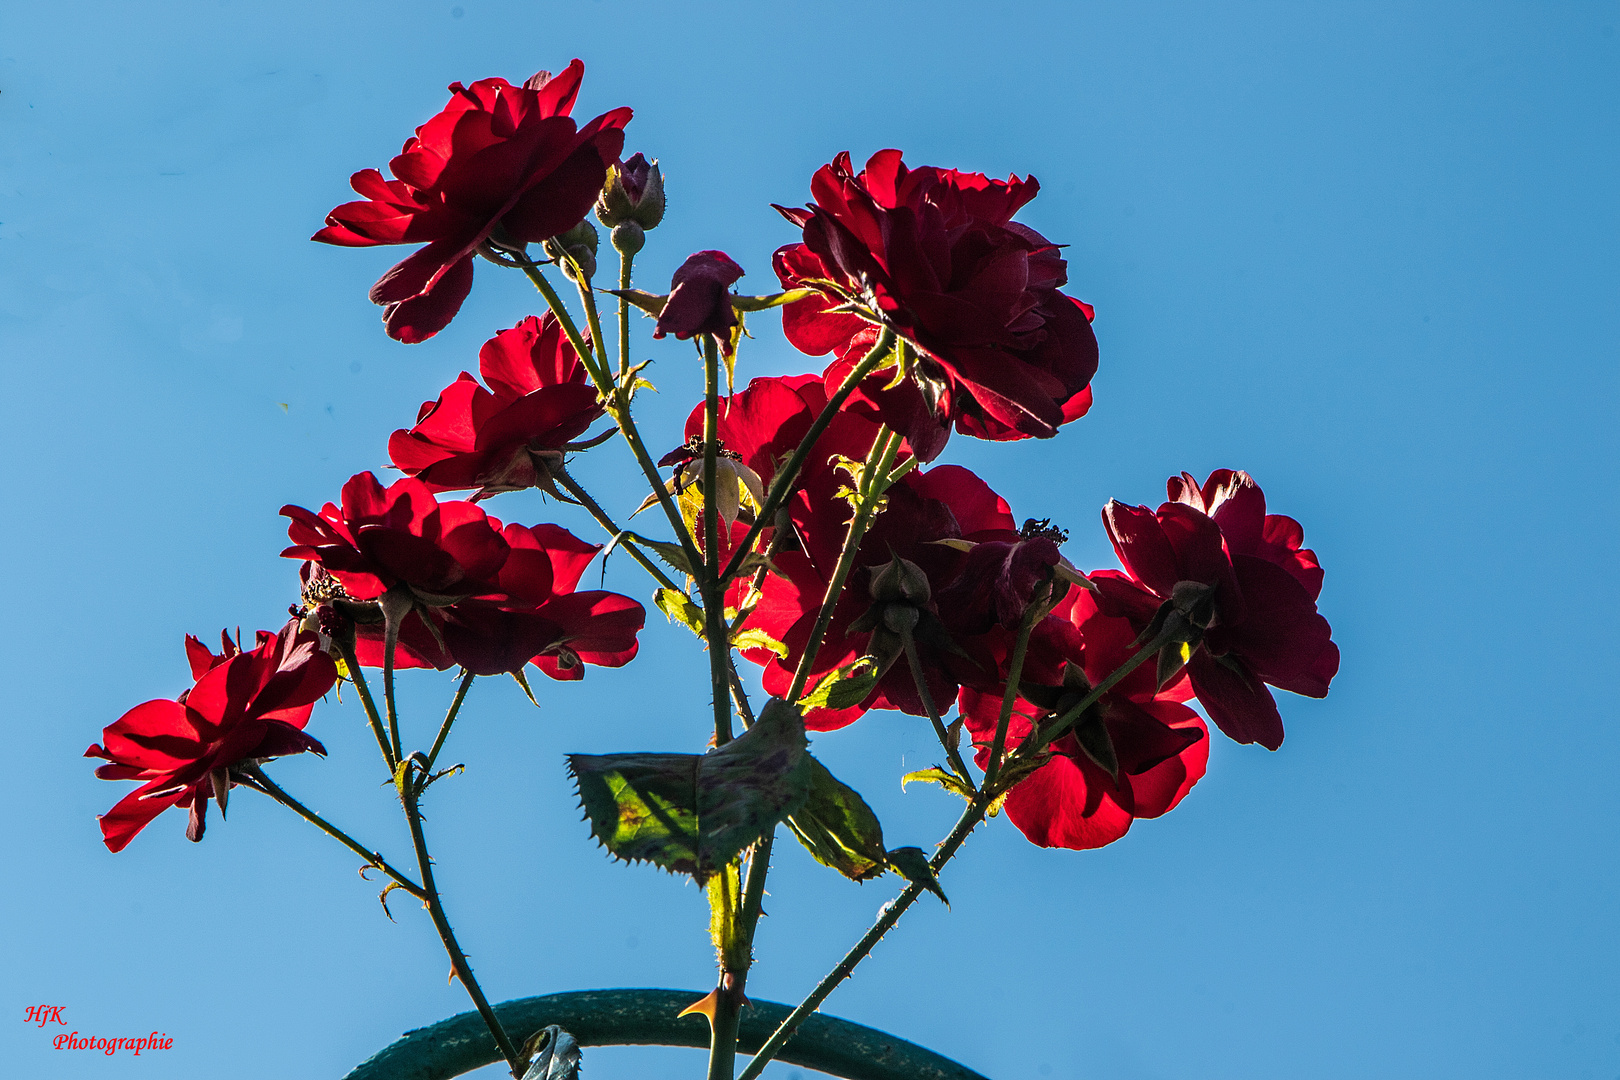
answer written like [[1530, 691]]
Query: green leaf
[[679, 608], [694, 813], [651, 303], [843, 687], [912, 864], [755, 638], [673, 554], [941, 776], [762, 303], [524, 682], [837, 827]]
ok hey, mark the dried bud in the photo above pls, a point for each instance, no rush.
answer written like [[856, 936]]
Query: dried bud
[[577, 246], [634, 192], [902, 581]]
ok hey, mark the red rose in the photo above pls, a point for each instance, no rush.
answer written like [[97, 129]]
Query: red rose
[[1134, 754], [537, 617], [700, 299], [935, 255], [245, 706], [498, 157], [400, 537], [1265, 627], [898, 564], [539, 399]]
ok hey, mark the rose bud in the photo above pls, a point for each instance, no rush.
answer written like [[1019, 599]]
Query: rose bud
[[578, 245], [700, 300], [634, 192]]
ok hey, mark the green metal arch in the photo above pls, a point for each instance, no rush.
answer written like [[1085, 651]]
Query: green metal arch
[[648, 1017]]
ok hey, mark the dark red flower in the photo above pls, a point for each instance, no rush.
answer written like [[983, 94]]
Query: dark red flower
[[539, 399], [1134, 754], [538, 617], [401, 537], [244, 707], [935, 255], [700, 299], [499, 159], [487, 597], [1264, 586], [947, 502], [999, 579]]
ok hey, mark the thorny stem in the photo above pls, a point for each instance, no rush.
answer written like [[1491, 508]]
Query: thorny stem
[[372, 716], [574, 488], [587, 355], [617, 398], [972, 814], [927, 696], [878, 461], [458, 959], [390, 644], [625, 260], [745, 712], [1044, 735], [790, 472], [449, 718], [728, 1000], [712, 589], [373, 857], [587, 296], [1015, 669]]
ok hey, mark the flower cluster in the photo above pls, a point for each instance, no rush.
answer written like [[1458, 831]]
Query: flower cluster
[[855, 572]]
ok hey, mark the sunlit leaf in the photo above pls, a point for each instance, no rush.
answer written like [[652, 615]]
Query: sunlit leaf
[[694, 813], [912, 864], [837, 827]]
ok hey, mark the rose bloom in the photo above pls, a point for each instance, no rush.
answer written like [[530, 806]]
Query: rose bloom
[[500, 439], [244, 707], [500, 162], [538, 617], [944, 503], [1266, 628], [1159, 747], [935, 255]]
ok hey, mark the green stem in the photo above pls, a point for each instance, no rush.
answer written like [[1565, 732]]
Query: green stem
[[371, 855], [878, 461], [712, 590], [972, 814], [449, 718], [1044, 736], [574, 488], [921, 680], [1015, 670], [458, 959], [618, 402], [624, 314], [372, 716], [587, 355], [785, 479], [587, 296]]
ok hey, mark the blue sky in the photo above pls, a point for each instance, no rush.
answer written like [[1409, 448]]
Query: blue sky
[[1367, 252]]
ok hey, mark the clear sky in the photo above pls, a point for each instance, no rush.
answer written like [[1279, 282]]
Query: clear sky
[[1365, 251]]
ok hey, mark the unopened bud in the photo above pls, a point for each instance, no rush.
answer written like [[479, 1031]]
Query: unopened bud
[[628, 237], [634, 191], [577, 245], [902, 581]]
